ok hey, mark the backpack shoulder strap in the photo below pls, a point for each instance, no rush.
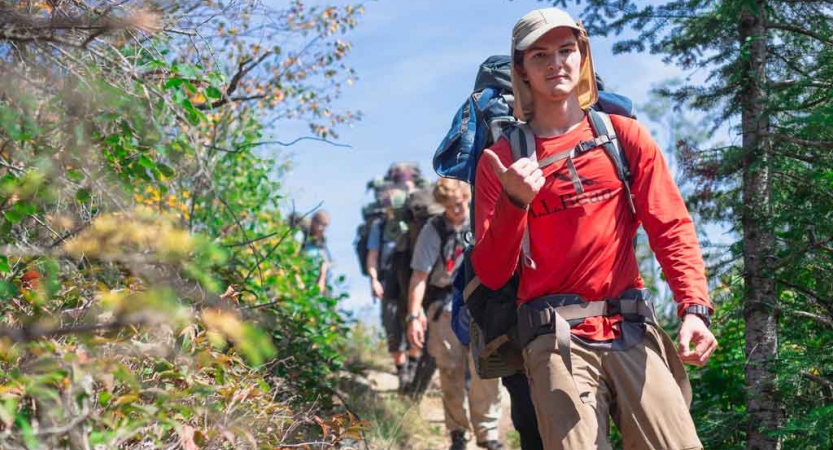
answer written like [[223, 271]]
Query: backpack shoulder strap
[[522, 142], [603, 128], [439, 225]]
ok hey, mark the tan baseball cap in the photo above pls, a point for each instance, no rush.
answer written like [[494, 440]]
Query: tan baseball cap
[[529, 29]]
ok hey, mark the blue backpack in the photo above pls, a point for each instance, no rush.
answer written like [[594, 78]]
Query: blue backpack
[[482, 318]]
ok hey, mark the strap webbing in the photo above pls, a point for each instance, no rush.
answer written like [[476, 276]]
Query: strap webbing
[[562, 339], [602, 126], [571, 167], [493, 345], [522, 142], [470, 288]]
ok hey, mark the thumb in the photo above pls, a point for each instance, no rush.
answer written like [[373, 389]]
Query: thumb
[[494, 161], [685, 341]]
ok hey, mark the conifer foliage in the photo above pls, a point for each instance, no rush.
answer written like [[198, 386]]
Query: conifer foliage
[[761, 71]]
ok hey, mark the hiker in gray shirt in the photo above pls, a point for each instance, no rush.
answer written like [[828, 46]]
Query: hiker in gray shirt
[[437, 256]]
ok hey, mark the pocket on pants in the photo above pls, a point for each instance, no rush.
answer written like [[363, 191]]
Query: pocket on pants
[[443, 345], [663, 344], [538, 352]]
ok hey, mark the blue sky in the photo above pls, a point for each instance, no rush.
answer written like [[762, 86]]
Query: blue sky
[[416, 61]]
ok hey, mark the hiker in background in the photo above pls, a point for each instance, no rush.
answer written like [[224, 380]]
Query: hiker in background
[[383, 286], [404, 176], [437, 255], [300, 225], [420, 207], [315, 246], [563, 216]]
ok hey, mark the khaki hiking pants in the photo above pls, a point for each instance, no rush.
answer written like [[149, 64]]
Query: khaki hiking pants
[[452, 358], [635, 386]]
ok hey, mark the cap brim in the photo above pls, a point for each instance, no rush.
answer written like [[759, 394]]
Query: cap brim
[[530, 39]]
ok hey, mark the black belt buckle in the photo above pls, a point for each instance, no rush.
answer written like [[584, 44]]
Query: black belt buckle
[[613, 307]]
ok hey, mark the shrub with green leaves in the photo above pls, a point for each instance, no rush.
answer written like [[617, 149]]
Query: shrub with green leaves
[[152, 294]]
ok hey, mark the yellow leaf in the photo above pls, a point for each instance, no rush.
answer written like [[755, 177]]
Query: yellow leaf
[[126, 399]]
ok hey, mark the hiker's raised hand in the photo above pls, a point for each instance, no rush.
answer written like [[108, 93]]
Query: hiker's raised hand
[[695, 332], [521, 181]]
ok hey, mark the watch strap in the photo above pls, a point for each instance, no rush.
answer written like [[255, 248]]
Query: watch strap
[[411, 317], [700, 311]]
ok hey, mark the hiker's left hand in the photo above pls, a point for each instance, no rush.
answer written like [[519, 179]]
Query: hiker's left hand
[[695, 332]]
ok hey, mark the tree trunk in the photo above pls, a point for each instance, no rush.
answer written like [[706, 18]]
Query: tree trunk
[[764, 410]]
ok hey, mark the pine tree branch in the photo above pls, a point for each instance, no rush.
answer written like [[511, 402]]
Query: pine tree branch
[[790, 83], [803, 158], [799, 30], [805, 142], [803, 182], [801, 251], [806, 291], [817, 379], [820, 319], [790, 63]]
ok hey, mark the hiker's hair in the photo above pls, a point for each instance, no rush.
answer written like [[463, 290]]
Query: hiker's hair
[[518, 55], [449, 189], [320, 216]]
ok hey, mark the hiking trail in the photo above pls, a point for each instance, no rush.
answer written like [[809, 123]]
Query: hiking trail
[[430, 410]]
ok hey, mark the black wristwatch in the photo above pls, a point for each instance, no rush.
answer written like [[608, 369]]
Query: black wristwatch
[[701, 312], [411, 317]]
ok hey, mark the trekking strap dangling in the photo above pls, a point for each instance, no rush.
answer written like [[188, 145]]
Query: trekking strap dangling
[[571, 167]]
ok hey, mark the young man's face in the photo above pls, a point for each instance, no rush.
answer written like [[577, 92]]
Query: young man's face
[[318, 226], [552, 65], [457, 209]]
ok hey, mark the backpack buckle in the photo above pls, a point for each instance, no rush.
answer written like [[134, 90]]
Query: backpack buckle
[[613, 307], [585, 146], [630, 312]]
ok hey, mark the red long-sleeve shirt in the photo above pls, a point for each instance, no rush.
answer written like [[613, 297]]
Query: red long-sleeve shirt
[[583, 244]]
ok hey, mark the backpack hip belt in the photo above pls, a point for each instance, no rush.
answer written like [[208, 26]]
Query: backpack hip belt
[[539, 315], [560, 312]]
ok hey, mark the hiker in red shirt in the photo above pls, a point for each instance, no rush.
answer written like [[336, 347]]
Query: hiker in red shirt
[[594, 348]]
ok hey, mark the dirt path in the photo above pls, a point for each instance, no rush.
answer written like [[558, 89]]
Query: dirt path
[[431, 411]]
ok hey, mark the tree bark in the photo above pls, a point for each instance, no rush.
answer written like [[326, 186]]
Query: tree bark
[[765, 412]]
